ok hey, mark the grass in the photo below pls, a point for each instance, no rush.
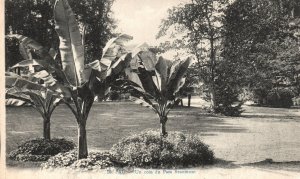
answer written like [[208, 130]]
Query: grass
[[108, 122], [263, 132]]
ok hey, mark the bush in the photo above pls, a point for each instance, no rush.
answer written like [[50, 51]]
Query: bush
[[114, 95], [230, 110], [40, 149], [280, 98], [94, 161], [148, 149]]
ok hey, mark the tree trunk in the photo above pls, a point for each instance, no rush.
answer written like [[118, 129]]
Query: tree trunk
[[189, 100], [163, 121], [46, 128], [212, 68], [82, 141], [213, 100]]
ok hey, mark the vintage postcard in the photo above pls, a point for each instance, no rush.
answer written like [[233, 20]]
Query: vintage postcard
[[150, 88]]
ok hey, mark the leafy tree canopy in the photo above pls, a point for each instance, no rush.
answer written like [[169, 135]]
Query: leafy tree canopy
[[34, 18]]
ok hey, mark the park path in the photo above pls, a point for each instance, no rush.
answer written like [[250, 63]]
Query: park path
[[264, 133]]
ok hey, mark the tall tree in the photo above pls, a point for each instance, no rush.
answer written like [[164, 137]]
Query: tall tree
[[199, 23], [260, 39]]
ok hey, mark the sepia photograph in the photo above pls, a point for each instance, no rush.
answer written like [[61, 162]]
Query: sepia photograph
[[150, 88]]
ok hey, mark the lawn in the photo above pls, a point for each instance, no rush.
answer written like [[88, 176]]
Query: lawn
[[259, 134]]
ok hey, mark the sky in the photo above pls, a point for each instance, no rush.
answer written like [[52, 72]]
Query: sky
[[141, 18]]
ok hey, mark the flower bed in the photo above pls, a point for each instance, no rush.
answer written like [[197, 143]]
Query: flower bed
[[40, 149], [149, 149]]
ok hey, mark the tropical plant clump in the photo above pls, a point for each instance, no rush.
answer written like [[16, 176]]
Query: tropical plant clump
[[149, 149], [77, 81], [40, 149], [41, 98], [155, 82]]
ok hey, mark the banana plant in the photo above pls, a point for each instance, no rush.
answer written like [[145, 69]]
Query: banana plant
[[154, 82], [77, 79], [29, 90]]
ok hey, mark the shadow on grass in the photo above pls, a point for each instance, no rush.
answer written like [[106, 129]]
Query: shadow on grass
[[270, 116], [22, 165], [270, 164], [220, 163]]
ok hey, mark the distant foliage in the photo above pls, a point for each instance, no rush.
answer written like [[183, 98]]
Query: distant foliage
[[149, 149], [40, 149], [280, 98]]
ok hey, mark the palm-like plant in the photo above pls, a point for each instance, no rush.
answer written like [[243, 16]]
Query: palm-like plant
[[78, 80], [154, 83], [43, 99]]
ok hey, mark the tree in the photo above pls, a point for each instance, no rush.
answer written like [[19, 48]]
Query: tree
[[259, 39], [78, 78], [27, 89], [200, 24], [37, 23], [156, 79]]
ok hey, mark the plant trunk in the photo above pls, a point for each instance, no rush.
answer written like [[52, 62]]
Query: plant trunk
[[46, 133], [82, 141], [163, 121]]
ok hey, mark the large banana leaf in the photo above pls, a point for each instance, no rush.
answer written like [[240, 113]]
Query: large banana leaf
[[18, 82], [30, 83], [43, 101], [175, 81], [161, 85], [11, 101], [26, 63], [148, 58], [45, 59], [113, 50], [14, 98], [161, 70], [71, 47], [51, 83], [119, 65], [114, 59]]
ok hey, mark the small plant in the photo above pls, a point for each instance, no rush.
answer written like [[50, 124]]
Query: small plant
[[41, 98], [148, 149], [154, 82], [40, 149]]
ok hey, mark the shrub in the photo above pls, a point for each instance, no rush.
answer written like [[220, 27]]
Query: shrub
[[40, 149], [230, 110], [296, 101], [149, 149], [94, 161], [280, 98], [114, 95]]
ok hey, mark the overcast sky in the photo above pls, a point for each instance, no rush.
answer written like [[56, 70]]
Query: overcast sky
[[141, 18]]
